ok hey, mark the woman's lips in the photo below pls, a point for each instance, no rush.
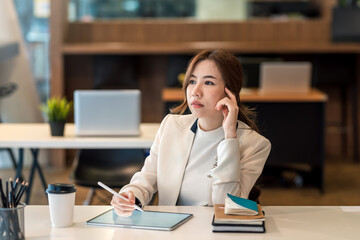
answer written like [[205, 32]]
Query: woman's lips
[[196, 104]]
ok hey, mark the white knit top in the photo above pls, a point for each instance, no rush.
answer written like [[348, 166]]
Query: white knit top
[[196, 186]]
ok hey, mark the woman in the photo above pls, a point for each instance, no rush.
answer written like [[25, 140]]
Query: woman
[[197, 158]]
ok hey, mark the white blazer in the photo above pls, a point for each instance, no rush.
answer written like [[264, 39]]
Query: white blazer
[[164, 168]]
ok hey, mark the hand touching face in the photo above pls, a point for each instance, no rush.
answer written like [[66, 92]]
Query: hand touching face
[[210, 101], [230, 110]]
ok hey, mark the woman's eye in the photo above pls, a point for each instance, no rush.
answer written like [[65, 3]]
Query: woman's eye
[[191, 81], [209, 83]]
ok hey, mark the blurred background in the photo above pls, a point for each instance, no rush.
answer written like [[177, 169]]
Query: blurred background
[[146, 44]]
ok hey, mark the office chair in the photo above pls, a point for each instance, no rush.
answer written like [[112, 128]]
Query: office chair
[[113, 167], [255, 193]]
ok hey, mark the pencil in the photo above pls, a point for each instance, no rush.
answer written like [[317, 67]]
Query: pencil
[[2, 194], [11, 184], [7, 193], [118, 195], [21, 187], [11, 205], [16, 184], [17, 200]]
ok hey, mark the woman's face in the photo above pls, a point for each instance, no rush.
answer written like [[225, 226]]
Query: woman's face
[[206, 87]]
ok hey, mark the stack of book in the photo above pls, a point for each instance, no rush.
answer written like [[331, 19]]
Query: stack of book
[[238, 215]]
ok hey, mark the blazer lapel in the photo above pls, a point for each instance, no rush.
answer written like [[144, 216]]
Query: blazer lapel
[[178, 166]]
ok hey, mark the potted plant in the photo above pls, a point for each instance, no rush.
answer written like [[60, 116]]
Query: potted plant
[[57, 111]]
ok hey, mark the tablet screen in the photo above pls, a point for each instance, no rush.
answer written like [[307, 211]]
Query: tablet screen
[[145, 220]]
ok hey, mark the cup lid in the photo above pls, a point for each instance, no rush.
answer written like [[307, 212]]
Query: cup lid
[[61, 188]]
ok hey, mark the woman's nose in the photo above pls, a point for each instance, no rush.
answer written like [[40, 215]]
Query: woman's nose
[[196, 92]]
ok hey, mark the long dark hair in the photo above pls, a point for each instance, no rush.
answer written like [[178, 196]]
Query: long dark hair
[[232, 74]]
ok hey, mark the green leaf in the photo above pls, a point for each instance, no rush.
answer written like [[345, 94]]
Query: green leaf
[[56, 109]]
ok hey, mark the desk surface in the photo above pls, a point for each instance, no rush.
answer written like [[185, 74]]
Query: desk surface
[[38, 136], [253, 95], [288, 222]]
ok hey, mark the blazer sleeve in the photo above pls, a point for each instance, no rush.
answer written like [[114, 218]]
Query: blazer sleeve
[[144, 183], [240, 163]]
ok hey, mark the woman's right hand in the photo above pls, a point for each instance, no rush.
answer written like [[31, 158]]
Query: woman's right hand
[[124, 208]]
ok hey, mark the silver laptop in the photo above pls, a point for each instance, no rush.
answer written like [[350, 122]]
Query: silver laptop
[[285, 77], [107, 112]]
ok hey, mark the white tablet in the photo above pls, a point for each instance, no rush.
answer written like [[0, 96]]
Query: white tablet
[[166, 221]]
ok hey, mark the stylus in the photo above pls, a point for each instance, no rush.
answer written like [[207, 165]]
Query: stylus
[[118, 195]]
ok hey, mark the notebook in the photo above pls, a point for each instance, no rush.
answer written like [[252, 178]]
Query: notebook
[[240, 206], [166, 221], [107, 112], [285, 77], [222, 218], [237, 223]]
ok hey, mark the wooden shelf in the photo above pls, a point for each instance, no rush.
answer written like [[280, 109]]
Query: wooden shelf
[[192, 47], [128, 48], [253, 95]]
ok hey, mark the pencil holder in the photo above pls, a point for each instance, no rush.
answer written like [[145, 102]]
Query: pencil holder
[[12, 223]]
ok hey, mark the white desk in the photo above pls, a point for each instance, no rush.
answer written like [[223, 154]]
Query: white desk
[[302, 223], [36, 136]]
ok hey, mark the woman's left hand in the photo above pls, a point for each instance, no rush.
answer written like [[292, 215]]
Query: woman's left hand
[[230, 110]]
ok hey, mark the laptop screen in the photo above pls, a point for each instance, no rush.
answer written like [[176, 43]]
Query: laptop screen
[[285, 77], [107, 112]]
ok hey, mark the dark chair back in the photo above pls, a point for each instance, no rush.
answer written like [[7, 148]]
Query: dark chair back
[[113, 167], [255, 194]]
